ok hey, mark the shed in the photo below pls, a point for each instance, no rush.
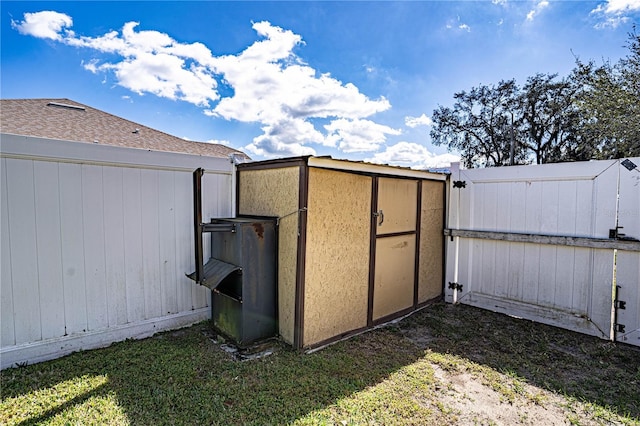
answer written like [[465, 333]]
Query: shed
[[359, 244]]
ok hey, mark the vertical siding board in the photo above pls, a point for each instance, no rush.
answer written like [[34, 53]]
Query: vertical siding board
[[94, 247], [114, 246], [502, 250], [517, 223], [134, 275], [49, 254], [565, 262], [582, 279], [489, 261], [26, 302], [531, 269], [7, 331], [184, 239], [151, 243], [548, 254], [167, 236], [75, 300], [584, 206]]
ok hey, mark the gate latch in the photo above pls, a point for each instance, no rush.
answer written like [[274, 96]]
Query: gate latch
[[455, 286]]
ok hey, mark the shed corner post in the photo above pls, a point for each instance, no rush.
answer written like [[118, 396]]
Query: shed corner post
[[303, 198]]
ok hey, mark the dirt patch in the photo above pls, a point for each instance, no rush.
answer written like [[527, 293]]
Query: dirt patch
[[467, 401], [492, 369]]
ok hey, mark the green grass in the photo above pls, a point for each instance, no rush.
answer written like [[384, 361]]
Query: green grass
[[382, 377]]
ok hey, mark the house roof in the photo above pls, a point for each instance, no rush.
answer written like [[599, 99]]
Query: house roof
[[72, 121]]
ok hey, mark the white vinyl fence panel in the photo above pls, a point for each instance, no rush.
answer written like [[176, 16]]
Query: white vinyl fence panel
[[96, 241], [628, 262], [501, 257]]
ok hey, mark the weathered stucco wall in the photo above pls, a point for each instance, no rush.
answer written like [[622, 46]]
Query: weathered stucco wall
[[337, 265], [275, 192], [431, 241]]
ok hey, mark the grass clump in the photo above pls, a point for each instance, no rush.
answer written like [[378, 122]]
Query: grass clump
[[418, 371]]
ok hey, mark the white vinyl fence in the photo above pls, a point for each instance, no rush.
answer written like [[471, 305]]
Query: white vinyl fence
[[540, 242], [96, 241]]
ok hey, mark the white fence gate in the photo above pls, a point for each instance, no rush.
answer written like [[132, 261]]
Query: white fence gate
[[544, 243], [96, 241]]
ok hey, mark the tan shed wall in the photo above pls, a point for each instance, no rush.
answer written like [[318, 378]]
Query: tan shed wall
[[394, 277], [275, 192], [337, 256], [431, 241]]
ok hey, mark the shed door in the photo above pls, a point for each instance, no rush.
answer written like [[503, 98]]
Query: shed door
[[395, 217]]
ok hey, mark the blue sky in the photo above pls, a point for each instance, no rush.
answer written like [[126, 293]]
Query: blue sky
[[354, 80]]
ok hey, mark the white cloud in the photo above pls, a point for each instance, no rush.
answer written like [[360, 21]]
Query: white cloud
[[46, 24], [414, 122], [357, 135], [618, 6], [540, 6], [615, 12], [413, 155], [271, 85], [457, 23]]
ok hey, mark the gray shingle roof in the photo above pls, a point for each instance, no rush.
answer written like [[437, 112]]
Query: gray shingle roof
[[69, 120]]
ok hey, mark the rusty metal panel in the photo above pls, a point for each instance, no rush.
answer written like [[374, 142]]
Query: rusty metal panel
[[244, 301]]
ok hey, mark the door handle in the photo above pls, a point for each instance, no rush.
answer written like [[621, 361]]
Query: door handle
[[380, 215]]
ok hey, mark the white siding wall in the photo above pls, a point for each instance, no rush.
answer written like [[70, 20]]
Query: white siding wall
[[96, 241]]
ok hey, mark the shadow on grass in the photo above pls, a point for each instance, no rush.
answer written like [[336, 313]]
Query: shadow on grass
[[579, 366], [183, 377]]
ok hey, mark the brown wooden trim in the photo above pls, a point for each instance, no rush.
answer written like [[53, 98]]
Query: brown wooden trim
[[303, 197], [393, 316], [338, 338], [445, 212], [396, 234], [237, 189], [416, 273], [274, 164], [430, 302], [372, 249]]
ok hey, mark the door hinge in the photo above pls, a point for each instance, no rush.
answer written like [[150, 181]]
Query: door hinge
[[455, 286], [620, 304], [459, 184], [619, 328]]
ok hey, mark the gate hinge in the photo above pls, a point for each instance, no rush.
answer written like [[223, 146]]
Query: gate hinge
[[620, 304], [619, 328], [455, 286], [615, 233], [459, 184]]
